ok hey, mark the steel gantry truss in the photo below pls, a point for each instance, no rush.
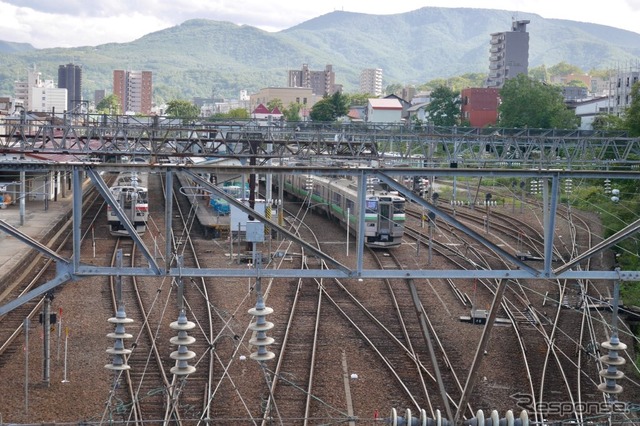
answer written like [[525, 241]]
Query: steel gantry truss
[[73, 269], [158, 138], [381, 151]]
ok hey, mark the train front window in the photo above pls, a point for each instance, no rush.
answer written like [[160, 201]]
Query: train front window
[[398, 206], [371, 206]]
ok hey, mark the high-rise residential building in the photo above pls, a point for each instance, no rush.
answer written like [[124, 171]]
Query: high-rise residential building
[[22, 89], [509, 54], [134, 89], [371, 81], [320, 82], [70, 78]]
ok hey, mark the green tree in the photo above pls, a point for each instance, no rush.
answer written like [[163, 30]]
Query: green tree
[[360, 98], [539, 73], [109, 105], [576, 83], [329, 108], [604, 74], [444, 108], [608, 122], [322, 111], [275, 103], [292, 112], [564, 68], [529, 103], [182, 109], [432, 84], [632, 114], [393, 89]]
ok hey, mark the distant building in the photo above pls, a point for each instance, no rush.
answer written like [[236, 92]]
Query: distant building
[[574, 93], [320, 82], [22, 89], [46, 97], [99, 95], [408, 93], [70, 78], [621, 90], [38, 95], [404, 103], [509, 54], [134, 89], [480, 106], [6, 106], [384, 111], [421, 98], [288, 95], [417, 113], [371, 81], [262, 113], [588, 110]]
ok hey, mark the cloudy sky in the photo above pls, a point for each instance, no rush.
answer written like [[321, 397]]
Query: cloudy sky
[[68, 23]]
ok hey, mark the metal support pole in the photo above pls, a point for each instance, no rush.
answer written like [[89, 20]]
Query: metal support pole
[[77, 218], [168, 211], [427, 338], [480, 350], [550, 219], [281, 198], [431, 216], [180, 284], [26, 365], [348, 220], [66, 346], [47, 191], [23, 201], [362, 200], [46, 344]]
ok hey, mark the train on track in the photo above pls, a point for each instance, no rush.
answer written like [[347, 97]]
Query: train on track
[[338, 198], [130, 189]]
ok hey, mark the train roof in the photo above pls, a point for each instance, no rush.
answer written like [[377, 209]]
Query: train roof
[[130, 179]]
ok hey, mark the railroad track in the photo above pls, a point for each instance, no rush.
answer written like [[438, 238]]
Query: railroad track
[[141, 392], [558, 371], [13, 322]]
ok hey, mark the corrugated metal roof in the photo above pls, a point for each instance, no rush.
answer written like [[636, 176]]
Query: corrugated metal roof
[[385, 103]]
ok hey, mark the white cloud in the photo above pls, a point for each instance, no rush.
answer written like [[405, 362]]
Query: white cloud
[[65, 23]]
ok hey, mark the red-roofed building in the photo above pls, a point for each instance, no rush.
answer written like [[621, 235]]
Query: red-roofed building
[[384, 111], [261, 112]]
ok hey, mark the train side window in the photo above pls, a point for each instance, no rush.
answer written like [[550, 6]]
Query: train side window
[[337, 198], [350, 205]]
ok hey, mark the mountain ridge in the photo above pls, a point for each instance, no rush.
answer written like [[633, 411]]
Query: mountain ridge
[[201, 57]]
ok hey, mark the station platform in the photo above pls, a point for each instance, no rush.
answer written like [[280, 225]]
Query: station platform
[[41, 221], [213, 225]]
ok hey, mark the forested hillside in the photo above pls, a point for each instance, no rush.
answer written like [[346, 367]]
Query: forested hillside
[[201, 57]]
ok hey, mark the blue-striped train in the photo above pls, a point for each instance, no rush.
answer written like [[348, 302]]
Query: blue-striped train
[[338, 197], [131, 192]]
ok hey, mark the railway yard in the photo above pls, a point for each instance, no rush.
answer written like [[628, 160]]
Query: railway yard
[[316, 351]]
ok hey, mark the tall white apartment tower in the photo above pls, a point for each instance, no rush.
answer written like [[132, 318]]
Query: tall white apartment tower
[[371, 81], [22, 90]]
